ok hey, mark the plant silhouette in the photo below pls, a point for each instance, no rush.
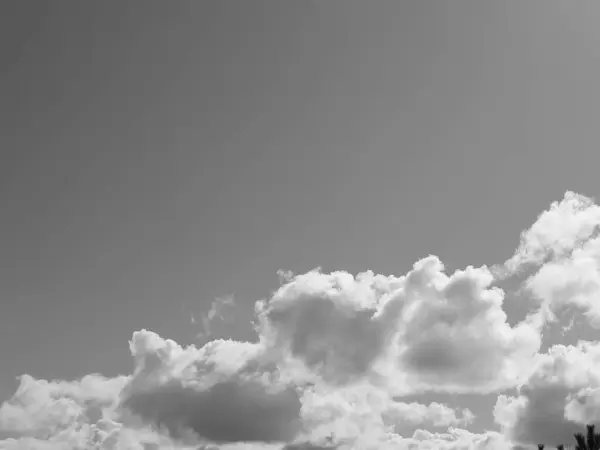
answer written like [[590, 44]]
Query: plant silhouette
[[590, 441]]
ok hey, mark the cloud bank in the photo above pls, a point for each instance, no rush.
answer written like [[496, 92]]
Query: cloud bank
[[336, 355]]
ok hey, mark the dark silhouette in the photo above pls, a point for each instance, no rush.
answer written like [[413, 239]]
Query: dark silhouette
[[589, 442]]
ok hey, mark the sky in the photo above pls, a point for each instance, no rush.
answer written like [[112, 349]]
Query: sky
[[298, 225]]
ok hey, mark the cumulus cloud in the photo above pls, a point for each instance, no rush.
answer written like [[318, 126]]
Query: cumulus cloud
[[425, 329], [571, 281], [226, 412], [559, 397], [557, 231], [436, 414], [210, 391], [330, 322], [39, 408], [336, 355], [561, 252], [455, 336], [81, 414], [456, 439], [225, 395]]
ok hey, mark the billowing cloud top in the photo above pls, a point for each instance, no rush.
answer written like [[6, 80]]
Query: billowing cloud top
[[337, 356]]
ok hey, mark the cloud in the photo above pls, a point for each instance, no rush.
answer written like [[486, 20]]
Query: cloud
[[454, 439], [366, 416], [570, 281], [454, 334], [39, 407], [435, 414], [329, 322], [225, 395], [211, 391], [337, 354], [561, 252], [430, 330], [560, 396], [217, 311], [69, 414], [557, 231], [226, 412]]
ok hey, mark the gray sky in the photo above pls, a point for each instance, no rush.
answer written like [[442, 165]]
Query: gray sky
[[157, 155]]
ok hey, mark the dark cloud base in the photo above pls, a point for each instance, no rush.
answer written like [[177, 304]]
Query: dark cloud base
[[227, 412]]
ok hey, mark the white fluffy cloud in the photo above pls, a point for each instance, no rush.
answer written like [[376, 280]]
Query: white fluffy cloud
[[337, 353], [421, 331], [455, 336], [571, 281], [39, 407], [557, 231], [79, 414], [212, 392], [561, 251], [225, 395], [560, 396]]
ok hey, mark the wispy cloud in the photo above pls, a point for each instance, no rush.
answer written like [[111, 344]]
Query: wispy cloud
[[217, 312]]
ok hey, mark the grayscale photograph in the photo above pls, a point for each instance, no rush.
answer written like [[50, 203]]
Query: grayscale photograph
[[299, 225]]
